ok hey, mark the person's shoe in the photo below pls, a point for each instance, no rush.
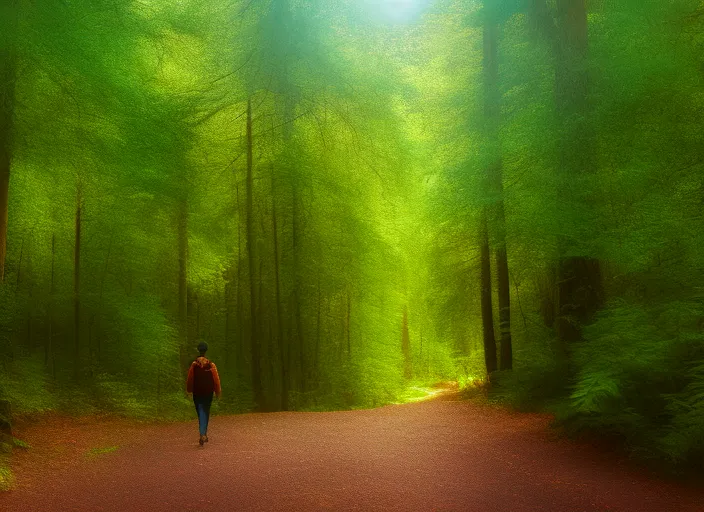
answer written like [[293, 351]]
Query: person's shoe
[[202, 440], [206, 439]]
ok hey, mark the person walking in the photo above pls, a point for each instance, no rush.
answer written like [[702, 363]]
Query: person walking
[[203, 381]]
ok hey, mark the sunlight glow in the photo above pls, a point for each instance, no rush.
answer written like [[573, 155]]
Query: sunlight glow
[[397, 11]]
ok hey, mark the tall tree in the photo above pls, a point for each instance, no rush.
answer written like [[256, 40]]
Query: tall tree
[[406, 345], [486, 300], [579, 277], [9, 14], [577, 280], [284, 350], [182, 239], [49, 344], [492, 119], [77, 284], [257, 387]]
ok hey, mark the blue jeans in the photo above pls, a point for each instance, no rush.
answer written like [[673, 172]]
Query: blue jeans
[[202, 403]]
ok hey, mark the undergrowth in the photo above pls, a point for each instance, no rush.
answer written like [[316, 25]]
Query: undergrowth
[[636, 379]]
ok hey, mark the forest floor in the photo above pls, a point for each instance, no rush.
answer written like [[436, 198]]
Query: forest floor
[[436, 455]]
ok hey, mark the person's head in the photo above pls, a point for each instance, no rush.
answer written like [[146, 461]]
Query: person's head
[[202, 348]]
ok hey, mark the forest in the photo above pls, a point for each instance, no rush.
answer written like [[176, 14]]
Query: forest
[[351, 199]]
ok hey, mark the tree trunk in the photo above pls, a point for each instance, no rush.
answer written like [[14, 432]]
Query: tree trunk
[[5, 161], [486, 306], [492, 114], [239, 341], [8, 76], [49, 345], [316, 360], [77, 289], [18, 278], [193, 317], [183, 283], [406, 345], [30, 293], [579, 293], [254, 341], [349, 326], [300, 339], [227, 299], [283, 350], [506, 353], [340, 345], [420, 356], [265, 333], [95, 321]]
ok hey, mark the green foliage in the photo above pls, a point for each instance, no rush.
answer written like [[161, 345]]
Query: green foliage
[[640, 380], [7, 479], [146, 217], [18, 443], [27, 387], [531, 386], [683, 441], [121, 397]]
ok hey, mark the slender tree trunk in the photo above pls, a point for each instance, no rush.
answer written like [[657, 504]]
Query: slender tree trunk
[[406, 345], [420, 357], [492, 114], [486, 306], [283, 349], [343, 326], [506, 353], [231, 300], [95, 321], [30, 293], [255, 348], [194, 316], [8, 75], [300, 338], [265, 333], [49, 351], [316, 360], [183, 283], [349, 326], [227, 299], [77, 288], [18, 278], [239, 341], [197, 332], [158, 386], [5, 160], [579, 292]]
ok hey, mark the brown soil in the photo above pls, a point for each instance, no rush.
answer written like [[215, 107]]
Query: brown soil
[[440, 455]]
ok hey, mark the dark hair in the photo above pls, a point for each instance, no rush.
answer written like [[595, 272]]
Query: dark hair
[[202, 347]]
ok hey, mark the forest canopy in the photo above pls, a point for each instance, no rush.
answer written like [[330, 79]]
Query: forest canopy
[[349, 200]]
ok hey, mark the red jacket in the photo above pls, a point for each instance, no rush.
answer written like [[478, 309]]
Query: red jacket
[[202, 361]]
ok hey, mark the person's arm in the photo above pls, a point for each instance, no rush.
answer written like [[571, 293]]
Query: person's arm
[[189, 380], [216, 379]]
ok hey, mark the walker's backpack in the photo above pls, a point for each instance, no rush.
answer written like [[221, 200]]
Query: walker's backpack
[[203, 382]]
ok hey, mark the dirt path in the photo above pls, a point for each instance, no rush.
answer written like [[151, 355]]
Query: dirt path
[[439, 455]]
